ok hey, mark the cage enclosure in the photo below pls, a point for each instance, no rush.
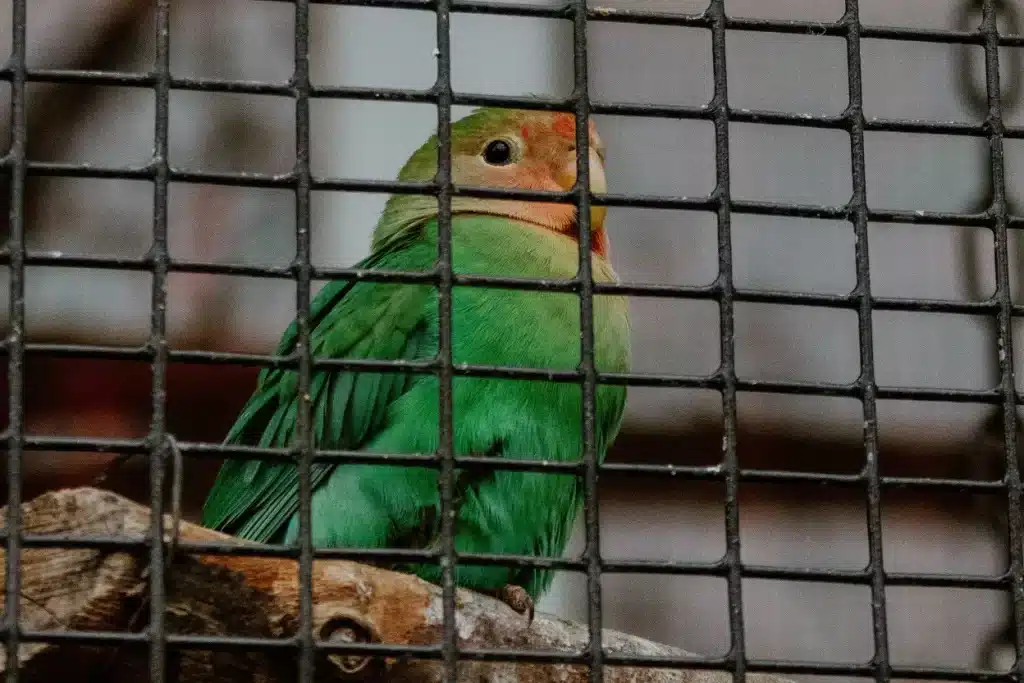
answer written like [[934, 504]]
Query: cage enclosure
[[812, 214]]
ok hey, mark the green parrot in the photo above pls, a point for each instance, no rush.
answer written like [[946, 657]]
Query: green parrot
[[497, 511]]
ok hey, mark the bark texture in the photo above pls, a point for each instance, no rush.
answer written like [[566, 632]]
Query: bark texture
[[75, 590]]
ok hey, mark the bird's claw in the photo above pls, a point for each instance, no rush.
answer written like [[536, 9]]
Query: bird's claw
[[518, 599]]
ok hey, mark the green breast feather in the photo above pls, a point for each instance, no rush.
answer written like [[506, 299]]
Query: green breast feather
[[373, 506]]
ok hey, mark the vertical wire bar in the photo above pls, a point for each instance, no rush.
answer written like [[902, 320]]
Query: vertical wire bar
[[16, 339], [446, 439], [727, 341], [304, 269], [869, 388], [999, 212], [158, 345], [581, 96]]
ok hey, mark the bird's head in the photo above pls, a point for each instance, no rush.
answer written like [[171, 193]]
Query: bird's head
[[507, 148]]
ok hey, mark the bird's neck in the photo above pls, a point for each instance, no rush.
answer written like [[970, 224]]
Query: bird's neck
[[408, 212], [501, 247]]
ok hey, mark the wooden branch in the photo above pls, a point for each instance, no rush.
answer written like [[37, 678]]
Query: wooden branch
[[92, 590]]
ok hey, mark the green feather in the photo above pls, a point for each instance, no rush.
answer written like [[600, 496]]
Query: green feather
[[339, 398], [246, 493], [375, 506], [378, 506]]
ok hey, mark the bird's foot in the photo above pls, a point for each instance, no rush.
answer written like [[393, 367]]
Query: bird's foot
[[518, 599]]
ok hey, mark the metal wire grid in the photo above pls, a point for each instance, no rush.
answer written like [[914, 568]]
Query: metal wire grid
[[301, 180]]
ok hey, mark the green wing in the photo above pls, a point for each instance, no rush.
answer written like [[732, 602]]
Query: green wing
[[354, 320]]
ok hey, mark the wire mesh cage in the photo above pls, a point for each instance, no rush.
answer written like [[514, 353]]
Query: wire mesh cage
[[991, 27]]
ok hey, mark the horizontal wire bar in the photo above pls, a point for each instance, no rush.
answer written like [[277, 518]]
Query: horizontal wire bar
[[710, 381], [250, 643], [402, 555], [839, 121], [234, 643], [708, 203], [287, 180], [712, 291], [686, 472], [616, 15], [57, 259]]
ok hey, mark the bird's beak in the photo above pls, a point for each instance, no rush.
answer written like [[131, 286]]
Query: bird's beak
[[566, 180]]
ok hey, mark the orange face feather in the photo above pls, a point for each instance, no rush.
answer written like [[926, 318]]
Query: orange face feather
[[535, 150], [543, 157], [565, 126]]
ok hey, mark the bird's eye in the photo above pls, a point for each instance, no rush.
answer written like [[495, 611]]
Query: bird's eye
[[498, 152]]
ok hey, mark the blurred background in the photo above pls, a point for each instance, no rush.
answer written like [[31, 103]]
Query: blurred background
[[809, 526]]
